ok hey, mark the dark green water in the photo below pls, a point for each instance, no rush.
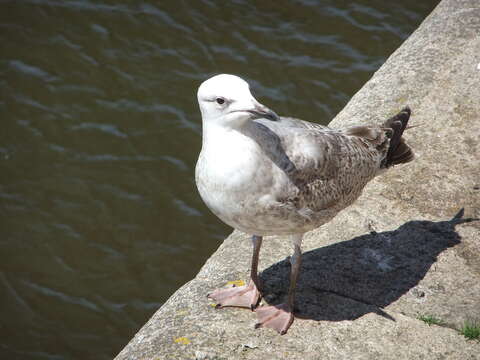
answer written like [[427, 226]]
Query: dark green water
[[100, 219]]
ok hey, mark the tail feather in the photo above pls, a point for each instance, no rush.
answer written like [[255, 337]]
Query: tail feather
[[398, 152]]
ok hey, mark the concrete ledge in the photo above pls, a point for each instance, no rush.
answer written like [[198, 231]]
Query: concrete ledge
[[392, 256]]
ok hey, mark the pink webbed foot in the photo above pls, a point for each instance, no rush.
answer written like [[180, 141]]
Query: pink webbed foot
[[277, 317], [246, 296]]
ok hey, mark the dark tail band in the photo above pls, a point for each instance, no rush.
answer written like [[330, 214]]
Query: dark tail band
[[398, 152]]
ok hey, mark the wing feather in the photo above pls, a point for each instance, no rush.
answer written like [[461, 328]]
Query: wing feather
[[328, 167]]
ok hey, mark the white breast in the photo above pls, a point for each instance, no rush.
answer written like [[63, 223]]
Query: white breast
[[226, 171]]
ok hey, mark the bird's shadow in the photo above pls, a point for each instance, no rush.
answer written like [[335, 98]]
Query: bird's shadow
[[346, 280]]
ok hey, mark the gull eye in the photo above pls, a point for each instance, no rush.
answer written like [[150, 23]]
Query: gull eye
[[220, 100]]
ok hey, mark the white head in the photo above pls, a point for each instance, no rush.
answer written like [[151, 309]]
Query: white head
[[226, 101]]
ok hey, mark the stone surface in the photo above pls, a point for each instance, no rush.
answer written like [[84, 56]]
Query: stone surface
[[397, 253]]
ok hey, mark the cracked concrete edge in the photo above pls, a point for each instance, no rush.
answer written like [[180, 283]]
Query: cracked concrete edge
[[436, 73]]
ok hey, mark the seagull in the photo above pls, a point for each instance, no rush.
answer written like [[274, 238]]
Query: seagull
[[269, 175]]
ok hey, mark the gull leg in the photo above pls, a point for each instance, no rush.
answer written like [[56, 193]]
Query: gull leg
[[242, 296], [280, 317]]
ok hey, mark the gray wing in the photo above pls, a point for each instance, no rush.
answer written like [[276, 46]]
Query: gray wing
[[326, 165]]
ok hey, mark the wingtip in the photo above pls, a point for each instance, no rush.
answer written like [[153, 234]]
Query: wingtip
[[407, 110], [399, 152]]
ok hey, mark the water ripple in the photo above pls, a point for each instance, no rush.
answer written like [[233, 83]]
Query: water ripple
[[75, 300], [186, 209], [106, 128], [31, 70], [153, 10], [112, 157]]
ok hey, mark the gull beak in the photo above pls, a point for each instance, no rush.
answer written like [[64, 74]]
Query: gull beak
[[262, 112]]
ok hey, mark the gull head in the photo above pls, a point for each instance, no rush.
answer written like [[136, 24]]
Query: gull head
[[226, 100]]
